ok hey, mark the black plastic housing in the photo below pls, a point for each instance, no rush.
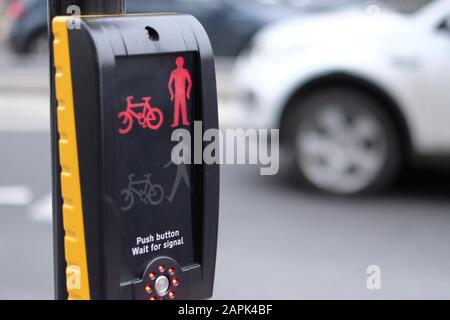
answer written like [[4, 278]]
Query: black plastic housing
[[111, 57]]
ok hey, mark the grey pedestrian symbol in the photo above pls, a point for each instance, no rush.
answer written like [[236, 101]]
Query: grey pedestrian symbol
[[182, 175]]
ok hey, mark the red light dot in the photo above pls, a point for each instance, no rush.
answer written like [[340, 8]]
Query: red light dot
[[148, 289], [153, 298], [171, 270], [161, 268], [171, 294], [152, 275], [175, 282]]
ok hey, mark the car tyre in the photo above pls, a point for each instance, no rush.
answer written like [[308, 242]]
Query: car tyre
[[39, 44], [342, 141]]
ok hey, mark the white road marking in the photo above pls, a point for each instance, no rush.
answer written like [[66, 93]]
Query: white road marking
[[24, 112], [15, 195], [41, 210]]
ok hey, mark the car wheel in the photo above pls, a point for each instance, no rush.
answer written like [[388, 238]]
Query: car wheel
[[39, 44], [343, 142]]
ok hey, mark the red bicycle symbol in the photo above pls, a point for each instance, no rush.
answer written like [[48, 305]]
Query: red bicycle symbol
[[149, 117]]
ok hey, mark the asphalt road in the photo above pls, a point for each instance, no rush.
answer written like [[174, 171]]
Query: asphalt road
[[277, 241]]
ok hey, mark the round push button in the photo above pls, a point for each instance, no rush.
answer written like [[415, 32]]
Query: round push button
[[162, 285]]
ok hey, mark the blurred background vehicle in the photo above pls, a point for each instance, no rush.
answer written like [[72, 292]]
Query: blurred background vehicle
[[3, 6], [354, 104], [229, 23], [324, 244], [28, 31]]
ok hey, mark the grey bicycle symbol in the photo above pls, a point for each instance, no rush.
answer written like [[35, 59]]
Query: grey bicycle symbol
[[148, 192]]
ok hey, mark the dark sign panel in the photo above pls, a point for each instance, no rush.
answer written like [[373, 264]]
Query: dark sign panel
[[157, 95]]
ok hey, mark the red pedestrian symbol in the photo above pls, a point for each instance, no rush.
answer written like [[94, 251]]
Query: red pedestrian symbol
[[146, 115], [180, 76]]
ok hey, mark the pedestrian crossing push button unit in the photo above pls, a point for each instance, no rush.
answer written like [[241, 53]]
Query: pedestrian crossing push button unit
[[136, 225]]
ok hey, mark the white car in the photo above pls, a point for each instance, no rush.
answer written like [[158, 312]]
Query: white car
[[355, 93]]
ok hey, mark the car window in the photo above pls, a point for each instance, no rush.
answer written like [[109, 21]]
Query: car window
[[322, 4], [197, 1], [200, 4], [406, 6], [445, 24]]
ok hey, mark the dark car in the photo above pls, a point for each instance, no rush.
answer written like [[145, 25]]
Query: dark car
[[229, 23], [28, 31]]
